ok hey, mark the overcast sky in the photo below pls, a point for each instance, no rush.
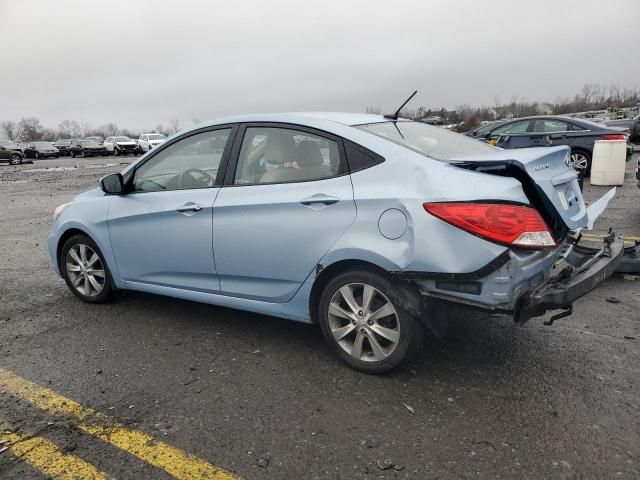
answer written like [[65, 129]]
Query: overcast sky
[[143, 63]]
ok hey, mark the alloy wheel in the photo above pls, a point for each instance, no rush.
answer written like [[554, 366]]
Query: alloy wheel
[[85, 270], [578, 161], [15, 159], [364, 322]]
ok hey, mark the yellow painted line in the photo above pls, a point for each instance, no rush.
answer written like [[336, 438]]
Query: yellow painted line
[[46, 457], [177, 463]]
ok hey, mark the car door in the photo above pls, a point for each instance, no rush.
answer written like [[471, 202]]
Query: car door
[[287, 199], [161, 228]]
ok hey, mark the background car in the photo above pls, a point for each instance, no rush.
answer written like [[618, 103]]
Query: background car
[[10, 152], [552, 130], [147, 141], [97, 138], [632, 124], [86, 147], [63, 145], [120, 145], [355, 222], [41, 150]]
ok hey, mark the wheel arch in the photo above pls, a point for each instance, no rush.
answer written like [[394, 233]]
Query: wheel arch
[[66, 236], [325, 274]]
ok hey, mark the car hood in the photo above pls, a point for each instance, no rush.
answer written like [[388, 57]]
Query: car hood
[[555, 181], [93, 193]]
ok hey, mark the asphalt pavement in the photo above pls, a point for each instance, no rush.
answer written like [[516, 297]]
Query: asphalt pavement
[[152, 387]]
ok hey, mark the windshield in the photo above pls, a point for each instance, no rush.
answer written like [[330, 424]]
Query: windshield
[[63, 142], [434, 142], [42, 144], [122, 139], [156, 136], [88, 143], [7, 143]]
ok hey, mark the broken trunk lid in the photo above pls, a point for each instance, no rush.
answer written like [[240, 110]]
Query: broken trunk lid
[[548, 168]]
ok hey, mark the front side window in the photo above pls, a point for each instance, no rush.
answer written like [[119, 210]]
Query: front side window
[[516, 127], [189, 163], [280, 155]]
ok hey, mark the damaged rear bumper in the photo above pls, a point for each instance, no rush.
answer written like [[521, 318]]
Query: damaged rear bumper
[[525, 286], [579, 273]]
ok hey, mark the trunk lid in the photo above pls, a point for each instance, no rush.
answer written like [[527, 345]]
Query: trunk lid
[[547, 170]]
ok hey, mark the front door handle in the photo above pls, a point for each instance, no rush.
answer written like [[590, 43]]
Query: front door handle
[[189, 207], [319, 198]]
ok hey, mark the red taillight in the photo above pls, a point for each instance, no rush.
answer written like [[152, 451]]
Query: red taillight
[[613, 136], [503, 223]]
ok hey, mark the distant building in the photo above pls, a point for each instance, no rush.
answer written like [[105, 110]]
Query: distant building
[[543, 109]]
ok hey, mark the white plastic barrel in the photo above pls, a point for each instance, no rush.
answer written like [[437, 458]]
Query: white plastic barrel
[[608, 162]]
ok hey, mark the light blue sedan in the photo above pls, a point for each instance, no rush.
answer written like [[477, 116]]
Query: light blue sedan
[[370, 226]]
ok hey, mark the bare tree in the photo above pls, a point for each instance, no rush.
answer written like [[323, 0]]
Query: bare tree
[[65, 128], [174, 126], [10, 129], [374, 110], [85, 128], [31, 129], [196, 120], [110, 129]]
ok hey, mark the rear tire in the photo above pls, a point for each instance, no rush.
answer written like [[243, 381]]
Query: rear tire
[[364, 322], [581, 160], [85, 271]]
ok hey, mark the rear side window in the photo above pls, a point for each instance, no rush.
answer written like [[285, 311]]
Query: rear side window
[[549, 126], [282, 155], [359, 157]]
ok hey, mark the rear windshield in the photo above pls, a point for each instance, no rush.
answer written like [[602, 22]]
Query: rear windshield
[[157, 136], [434, 142]]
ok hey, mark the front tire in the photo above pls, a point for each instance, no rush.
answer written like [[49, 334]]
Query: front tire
[[85, 271], [15, 159], [365, 324]]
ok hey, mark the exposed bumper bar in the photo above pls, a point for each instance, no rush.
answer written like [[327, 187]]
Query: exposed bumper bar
[[585, 269]]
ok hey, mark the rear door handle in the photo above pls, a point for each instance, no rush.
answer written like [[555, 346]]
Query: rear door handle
[[319, 198], [189, 207]]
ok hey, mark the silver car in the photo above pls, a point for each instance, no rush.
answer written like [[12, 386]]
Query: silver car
[[372, 227]]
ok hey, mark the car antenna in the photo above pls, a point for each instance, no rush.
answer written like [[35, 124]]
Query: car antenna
[[394, 116]]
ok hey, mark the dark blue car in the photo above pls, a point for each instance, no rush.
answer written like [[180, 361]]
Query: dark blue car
[[555, 130]]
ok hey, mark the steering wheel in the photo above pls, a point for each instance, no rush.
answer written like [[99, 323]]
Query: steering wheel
[[195, 178]]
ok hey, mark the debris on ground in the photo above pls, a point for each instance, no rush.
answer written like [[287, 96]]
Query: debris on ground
[[263, 462], [613, 299], [4, 449], [628, 337], [412, 410], [630, 278], [387, 463]]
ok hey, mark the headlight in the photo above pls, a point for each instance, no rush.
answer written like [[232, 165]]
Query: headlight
[[58, 211]]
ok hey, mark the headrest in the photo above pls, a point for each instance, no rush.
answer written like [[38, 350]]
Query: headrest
[[309, 154], [280, 148]]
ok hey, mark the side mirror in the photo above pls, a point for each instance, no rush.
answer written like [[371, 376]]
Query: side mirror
[[112, 184]]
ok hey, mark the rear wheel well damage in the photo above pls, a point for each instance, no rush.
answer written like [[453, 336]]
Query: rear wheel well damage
[[404, 293]]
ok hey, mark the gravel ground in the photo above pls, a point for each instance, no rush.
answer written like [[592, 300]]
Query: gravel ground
[[264, 397]]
